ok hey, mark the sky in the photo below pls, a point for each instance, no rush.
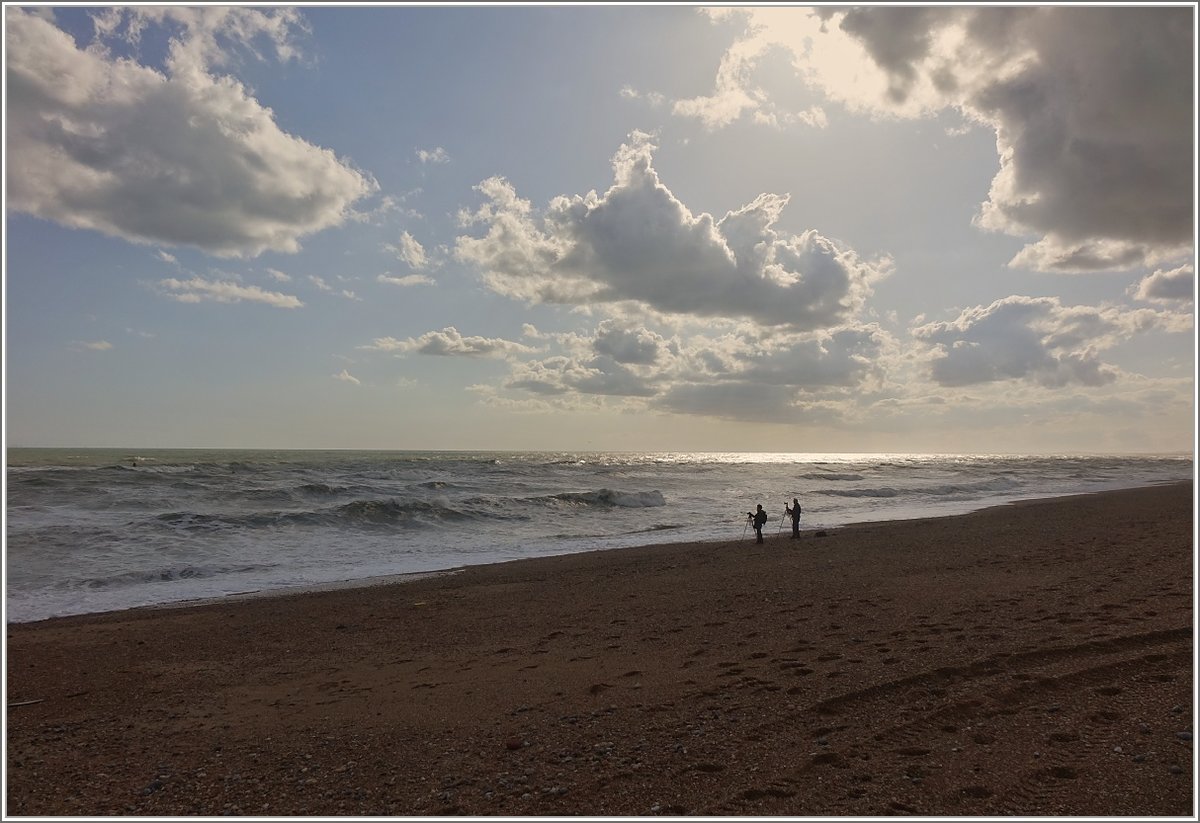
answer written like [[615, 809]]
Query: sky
[[671, 228]]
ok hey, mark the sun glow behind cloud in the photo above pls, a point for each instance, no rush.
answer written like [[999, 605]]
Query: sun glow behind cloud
[[1091, 111]]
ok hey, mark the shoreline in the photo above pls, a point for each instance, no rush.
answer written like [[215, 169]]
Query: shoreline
[[401, 578], [1029, 659]]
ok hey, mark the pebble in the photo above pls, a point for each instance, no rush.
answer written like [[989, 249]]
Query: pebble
[[1176, 770], [1185, 736]]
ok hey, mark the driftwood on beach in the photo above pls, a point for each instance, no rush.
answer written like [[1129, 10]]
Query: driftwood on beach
[[1029, 660]]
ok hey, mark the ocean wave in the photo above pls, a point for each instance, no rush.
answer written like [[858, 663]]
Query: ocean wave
[[164, 575], [609, 498], [438, 485], [991, 485], [397, 512], [326, 489], [885, 491], [830, 476]]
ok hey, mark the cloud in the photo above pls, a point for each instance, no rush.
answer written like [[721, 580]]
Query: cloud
[[600, 375], [449, 342], [734, 401], [1035, 339], [1092, 109], [655, 99], [276, 274], [626, 344], [346, 377], [199, 290], [178, 157], [437, 156], [748, 374], [321, 284], [1174, 286], [407, 280], [410, 251], [97, 345], [639, 243]]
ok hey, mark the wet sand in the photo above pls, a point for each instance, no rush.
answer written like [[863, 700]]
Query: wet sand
[[1032, 659]]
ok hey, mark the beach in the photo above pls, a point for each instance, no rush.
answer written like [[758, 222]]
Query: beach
[[1028, 659]]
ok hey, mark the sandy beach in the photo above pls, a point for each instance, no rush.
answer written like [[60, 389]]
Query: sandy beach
[[1030, 659]]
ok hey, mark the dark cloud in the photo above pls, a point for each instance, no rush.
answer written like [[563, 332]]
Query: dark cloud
[[1098, 131], [898, 37], [1093, 109], [627, 344], [1174, 286], [1093, 113], [1034, 339], [843, 358]]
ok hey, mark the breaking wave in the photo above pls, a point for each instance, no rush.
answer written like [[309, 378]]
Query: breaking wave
[[611, 498]]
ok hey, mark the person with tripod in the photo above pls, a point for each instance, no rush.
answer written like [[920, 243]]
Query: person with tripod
[[759, 519], [794, 511]]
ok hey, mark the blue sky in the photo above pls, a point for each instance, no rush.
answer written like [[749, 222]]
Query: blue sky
[[819, 229]]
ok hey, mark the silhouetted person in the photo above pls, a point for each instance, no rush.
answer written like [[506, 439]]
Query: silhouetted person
[[760, 520], [794, 511]]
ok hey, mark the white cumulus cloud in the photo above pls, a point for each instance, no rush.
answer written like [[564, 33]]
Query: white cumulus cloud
[[637, 242], [179, 157]]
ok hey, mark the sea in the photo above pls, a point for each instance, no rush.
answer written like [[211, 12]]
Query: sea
[[94, 530]]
